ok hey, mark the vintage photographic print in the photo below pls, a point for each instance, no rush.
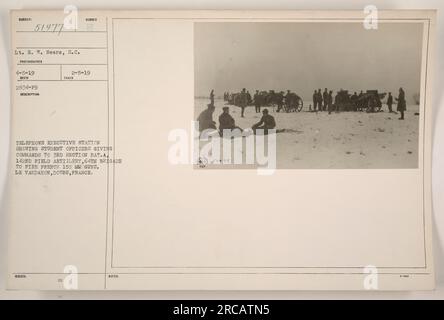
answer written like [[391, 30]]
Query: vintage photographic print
[[335, 94], [325, 128]]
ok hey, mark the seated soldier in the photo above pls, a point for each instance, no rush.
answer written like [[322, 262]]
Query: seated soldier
[[226, 121], [267, 122], [205, 118]]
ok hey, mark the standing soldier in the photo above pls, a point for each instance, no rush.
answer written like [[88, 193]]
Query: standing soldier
[[212, 97], [325, 96], [401, 103], [315, 100], [257, 101], [330, 102], [320, 100], [390, 102]]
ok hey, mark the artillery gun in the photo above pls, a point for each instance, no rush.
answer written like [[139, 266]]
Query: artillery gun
[[365, 102], [293, 103], [369, 101]]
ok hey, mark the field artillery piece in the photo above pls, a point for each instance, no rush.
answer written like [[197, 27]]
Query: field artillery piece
[[370, 102], [293, 103]]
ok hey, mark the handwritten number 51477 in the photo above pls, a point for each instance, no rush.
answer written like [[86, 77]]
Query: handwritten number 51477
[[49, 27]]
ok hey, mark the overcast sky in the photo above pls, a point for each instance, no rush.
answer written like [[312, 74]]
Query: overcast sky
[[304, 56]]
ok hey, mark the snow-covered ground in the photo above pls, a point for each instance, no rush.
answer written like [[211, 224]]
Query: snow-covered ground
[[346, 140]]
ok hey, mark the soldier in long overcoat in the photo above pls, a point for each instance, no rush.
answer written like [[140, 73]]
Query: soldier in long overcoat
[[402, 106]]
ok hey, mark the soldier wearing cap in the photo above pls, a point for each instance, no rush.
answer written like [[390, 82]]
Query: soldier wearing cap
[[226, 121], [267, 122]]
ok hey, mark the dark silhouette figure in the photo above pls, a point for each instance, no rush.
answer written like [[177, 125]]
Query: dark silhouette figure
[[325, 97], [320, 100], [402, 106], [330, 102], [315, 101], [267, 122], [226, 121], [257, 101], [205, 118], [212, 97], [390, 102]]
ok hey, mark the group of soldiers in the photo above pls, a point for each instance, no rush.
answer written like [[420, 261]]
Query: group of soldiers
[[325, 101], [227, 122], [356, 102], [322, 101], [262, 99], [242, 99]]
